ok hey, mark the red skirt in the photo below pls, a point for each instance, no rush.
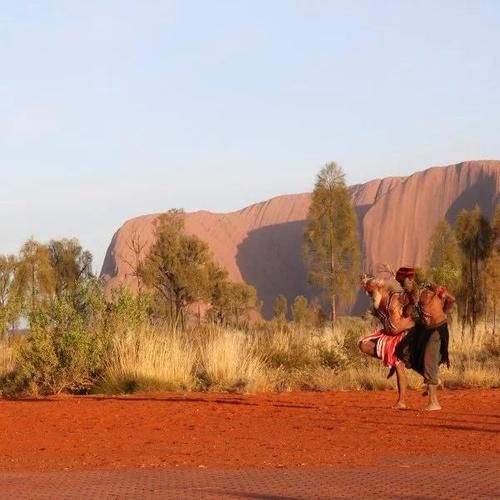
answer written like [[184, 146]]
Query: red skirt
[[386, 346]]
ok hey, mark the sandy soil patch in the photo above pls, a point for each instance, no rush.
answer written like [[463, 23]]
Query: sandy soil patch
[[306, 430]]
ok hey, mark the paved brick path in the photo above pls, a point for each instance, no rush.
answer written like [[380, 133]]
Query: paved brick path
[[424, 478]]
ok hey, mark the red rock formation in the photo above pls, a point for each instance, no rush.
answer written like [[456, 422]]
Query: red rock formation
[[262, 243]]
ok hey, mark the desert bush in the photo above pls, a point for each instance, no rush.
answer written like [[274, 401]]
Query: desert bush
[[128, 310], [65, 346]]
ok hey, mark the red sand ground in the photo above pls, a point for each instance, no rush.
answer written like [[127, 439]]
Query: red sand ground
[[309, 430]]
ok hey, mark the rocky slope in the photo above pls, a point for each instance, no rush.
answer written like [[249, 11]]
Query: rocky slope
[[261, 244]]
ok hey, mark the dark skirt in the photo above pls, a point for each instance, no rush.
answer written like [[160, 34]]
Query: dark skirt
[[411, 349]]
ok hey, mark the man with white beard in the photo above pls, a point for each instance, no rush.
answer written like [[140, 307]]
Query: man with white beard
[[388, 308]]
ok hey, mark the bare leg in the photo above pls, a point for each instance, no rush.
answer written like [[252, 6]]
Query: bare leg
[[433, 400], [402, 385]]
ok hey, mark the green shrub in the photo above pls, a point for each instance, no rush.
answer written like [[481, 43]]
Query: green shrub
[[65, 347]]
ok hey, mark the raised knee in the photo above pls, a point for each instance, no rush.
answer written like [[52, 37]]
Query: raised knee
[[365, 347]]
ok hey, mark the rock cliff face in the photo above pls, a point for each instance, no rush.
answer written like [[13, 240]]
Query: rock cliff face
[[262, 244]]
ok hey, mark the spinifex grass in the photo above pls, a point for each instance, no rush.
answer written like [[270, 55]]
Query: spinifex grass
[[148, 359]]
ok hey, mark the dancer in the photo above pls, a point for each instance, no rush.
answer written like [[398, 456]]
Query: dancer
[[428, 344], [382, 344]]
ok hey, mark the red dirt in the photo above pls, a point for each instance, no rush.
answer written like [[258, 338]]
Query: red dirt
[[310, 430]]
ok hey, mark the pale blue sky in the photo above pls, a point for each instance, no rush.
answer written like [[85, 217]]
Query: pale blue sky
[[112, 109]]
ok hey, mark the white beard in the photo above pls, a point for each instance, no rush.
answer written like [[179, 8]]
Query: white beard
[[376, 298]]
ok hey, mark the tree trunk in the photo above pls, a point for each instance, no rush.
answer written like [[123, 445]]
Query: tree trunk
[[334, 314], [332, 274], [494, 316]]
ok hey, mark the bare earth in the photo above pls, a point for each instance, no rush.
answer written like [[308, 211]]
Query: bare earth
[[227, 431]]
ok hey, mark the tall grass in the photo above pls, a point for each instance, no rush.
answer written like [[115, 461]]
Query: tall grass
[[147, 359], [7, 362], [475, 360], [274, 358], [230, 360], [280, 359]]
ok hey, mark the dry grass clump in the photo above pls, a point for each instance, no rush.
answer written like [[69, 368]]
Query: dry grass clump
[[7, 362], [149, 359], [228, 360]]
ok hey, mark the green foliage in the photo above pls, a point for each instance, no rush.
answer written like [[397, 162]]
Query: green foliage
[[331, 246], [178, 267], [444, 260], [305, 314], [476, 238], [295, 357], [333, 358], [127, 309], [69, 262], [35, 274], [66, 344], [231, 303]]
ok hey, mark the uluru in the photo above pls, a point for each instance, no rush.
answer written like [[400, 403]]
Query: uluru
[[262, 244]]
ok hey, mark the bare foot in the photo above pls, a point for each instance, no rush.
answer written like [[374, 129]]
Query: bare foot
[[432, 407], [399, 406]]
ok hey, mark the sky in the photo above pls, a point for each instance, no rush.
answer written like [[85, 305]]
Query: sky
[[114, 109]]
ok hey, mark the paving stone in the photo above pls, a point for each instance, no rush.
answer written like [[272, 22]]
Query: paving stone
[[422, 478]]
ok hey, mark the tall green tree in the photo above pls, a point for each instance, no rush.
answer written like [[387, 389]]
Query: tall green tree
[[331, 245], [70, 263], [444, 258], [177, 266], [35, 274], [475, 237]]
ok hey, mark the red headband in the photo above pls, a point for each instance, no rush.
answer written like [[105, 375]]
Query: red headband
[[405, 272]]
